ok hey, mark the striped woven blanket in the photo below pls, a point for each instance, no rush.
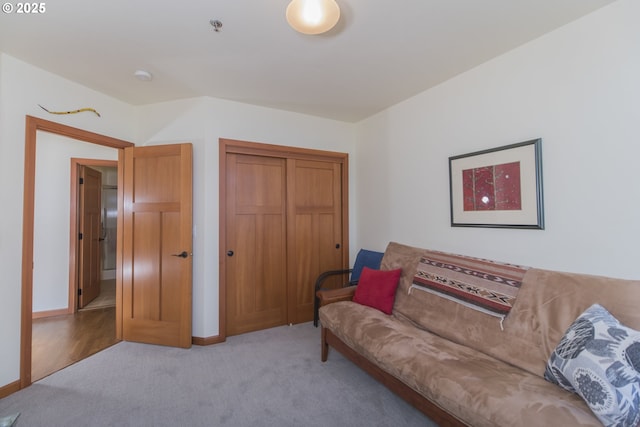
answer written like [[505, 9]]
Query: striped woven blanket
[[487, 286]]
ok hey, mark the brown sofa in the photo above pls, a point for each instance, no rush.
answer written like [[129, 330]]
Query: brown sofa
[[461, 366]]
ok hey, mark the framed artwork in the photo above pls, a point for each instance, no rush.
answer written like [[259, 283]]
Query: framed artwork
[[500, 187]]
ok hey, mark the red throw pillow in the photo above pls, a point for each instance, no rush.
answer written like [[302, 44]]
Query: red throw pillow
[[377, 288]]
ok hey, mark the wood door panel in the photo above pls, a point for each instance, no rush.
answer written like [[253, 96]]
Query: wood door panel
[[273, 265], [257, 296], [306, 263], [255, 184], [146, 270], [152, 183], [263, 269], [90, 228], [157, 227], [315, 186], [256, 233], [315, 254], [315, 240], [153, 269], [172, 268], [247, 255], [152, 332]]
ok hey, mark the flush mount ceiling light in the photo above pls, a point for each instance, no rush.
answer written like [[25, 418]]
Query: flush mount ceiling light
[[313, 16]]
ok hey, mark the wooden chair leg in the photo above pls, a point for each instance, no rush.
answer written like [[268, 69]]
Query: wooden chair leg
[[324, 345]]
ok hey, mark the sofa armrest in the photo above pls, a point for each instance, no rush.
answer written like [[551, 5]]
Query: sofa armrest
[[327, 296]]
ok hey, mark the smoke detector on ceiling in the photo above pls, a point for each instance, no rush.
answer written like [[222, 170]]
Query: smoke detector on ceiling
[[143, 75]]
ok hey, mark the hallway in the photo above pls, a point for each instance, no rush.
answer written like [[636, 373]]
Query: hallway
[[60, 341]]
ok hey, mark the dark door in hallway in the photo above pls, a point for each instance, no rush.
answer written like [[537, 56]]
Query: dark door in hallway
[[89, 235]]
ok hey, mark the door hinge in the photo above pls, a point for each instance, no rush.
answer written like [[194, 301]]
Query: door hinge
[[79, 236], [81, 181], [79, 292]]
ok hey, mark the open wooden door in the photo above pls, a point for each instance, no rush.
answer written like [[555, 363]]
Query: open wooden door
[[89, 235], [157, 245]]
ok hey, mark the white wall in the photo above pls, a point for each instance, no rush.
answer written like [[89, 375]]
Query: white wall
[[22, 88], [576, 88], [202, 121], [51, 215]]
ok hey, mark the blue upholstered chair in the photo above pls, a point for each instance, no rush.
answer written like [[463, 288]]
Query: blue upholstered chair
[[365, 258]]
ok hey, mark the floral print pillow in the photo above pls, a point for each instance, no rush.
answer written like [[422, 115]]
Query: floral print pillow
[[599, 359]]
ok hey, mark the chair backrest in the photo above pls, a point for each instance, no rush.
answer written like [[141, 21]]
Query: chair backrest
[[365, 258]]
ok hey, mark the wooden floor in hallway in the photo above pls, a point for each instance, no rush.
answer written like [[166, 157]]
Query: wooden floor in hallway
[[60, 341]]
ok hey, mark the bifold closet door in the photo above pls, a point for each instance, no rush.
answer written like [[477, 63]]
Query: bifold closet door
[[256, 243]]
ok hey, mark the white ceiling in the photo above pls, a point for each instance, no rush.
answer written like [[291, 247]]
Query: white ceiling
[[380, 53]]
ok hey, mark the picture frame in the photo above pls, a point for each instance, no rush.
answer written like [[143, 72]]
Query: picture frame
[[499, 187]]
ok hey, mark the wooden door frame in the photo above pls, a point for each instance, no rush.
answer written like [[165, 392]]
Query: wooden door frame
[[33, 125], [268, 150], [74, 206]]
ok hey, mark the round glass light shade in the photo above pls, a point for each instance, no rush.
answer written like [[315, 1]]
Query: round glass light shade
[[313, 16]]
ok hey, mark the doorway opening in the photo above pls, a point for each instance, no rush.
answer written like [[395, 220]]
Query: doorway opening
[[88, 325], [93, 224], [33, 126]]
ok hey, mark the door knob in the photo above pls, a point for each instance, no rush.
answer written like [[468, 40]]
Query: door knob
[[182, 254], [229, 253]]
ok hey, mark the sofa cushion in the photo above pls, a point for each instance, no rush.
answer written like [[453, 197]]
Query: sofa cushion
[[478, 389], [599, 359], [547, 303], [377, 288]]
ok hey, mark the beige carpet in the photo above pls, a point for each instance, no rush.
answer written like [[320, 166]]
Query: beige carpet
[[107, 297], [270, 378]]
